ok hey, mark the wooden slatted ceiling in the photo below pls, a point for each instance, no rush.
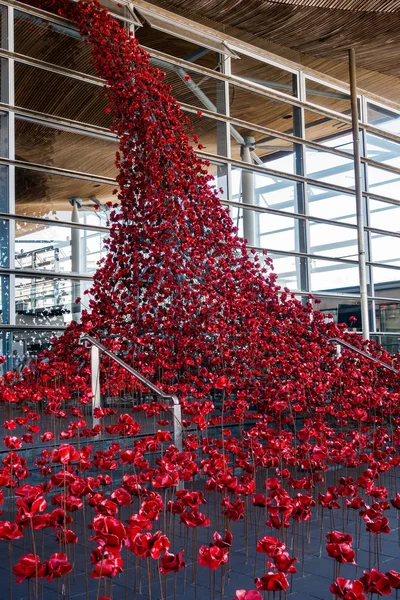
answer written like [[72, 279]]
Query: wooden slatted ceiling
[[314, 27], [384, 6]]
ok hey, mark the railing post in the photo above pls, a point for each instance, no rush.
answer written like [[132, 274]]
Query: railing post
[[177, 418], [95, 374], [177, 425]]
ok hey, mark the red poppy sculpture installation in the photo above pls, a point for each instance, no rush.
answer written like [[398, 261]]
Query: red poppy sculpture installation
[[314, 437]]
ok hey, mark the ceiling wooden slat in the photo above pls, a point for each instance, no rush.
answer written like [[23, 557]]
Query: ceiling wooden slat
[[385, 6], [321, 28]]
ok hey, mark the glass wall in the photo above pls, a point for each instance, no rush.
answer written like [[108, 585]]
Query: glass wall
[[278, 141]]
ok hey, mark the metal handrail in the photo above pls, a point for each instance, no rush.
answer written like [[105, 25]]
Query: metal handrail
[[176, 410], [365, 354]]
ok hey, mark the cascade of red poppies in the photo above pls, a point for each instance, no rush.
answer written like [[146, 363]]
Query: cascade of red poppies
[[181, 297], [178, 292]]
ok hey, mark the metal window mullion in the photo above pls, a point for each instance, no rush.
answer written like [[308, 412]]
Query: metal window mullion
[[367, 222], [53, 223], [226, 67], [38, 274], [11, 155]]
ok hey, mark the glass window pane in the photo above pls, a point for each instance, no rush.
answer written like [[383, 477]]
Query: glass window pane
[[54, 43], [330, 168], [51, 248], [287, 269], [328, 132], [272, 152], [383, 118], [383, 182], [328, 97], [3, 27], [178, 47], [383, 215], [260, 72], [219, 171], [48, 300], [260, 110], [340, 310], [54, 94], [383, 150], [388, 317], [20, 347], [39, 194], [382, 276], [190, 87], [41, 144], [4, 134], [3, 188], [4, 300], [328, 204], [385, 248], [269, 191], [211, 134], [4, 243], [390, 343], [278, 232], [4, 80], [275, 232], [329, 276], [332, 240]]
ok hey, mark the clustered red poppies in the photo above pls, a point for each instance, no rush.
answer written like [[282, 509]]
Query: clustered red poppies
[[181, 298]]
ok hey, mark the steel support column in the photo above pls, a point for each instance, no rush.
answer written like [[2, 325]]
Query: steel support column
[[76, 266], [359, 197], [249, 216]]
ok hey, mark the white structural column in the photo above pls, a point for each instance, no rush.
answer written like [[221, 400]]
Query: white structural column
[[95, 373], [76, 266], [249, 216], [359, 198]]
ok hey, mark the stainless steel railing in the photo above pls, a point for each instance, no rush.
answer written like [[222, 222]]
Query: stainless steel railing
[[96, 348], [340, 342]]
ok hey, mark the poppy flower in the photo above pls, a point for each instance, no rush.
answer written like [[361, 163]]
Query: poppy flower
[[194, 518], [171, 563], [380, 525], [376, 582], [28, 566], [221, 542], [272, 582], [347, 589], [110, 532], [212, 557], [342, 552], [57, 566], [10, 531], [269, 545], [394, 579], [248, 595], [283, 561], [106, 564]]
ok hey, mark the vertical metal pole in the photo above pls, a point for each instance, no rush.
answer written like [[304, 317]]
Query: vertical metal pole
[[359, 199], [249, 216], [75, 256], [177, 425], [95, 376]]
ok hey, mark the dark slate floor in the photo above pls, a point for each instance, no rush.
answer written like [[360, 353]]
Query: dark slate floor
[[312, 581], [315, 570]]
